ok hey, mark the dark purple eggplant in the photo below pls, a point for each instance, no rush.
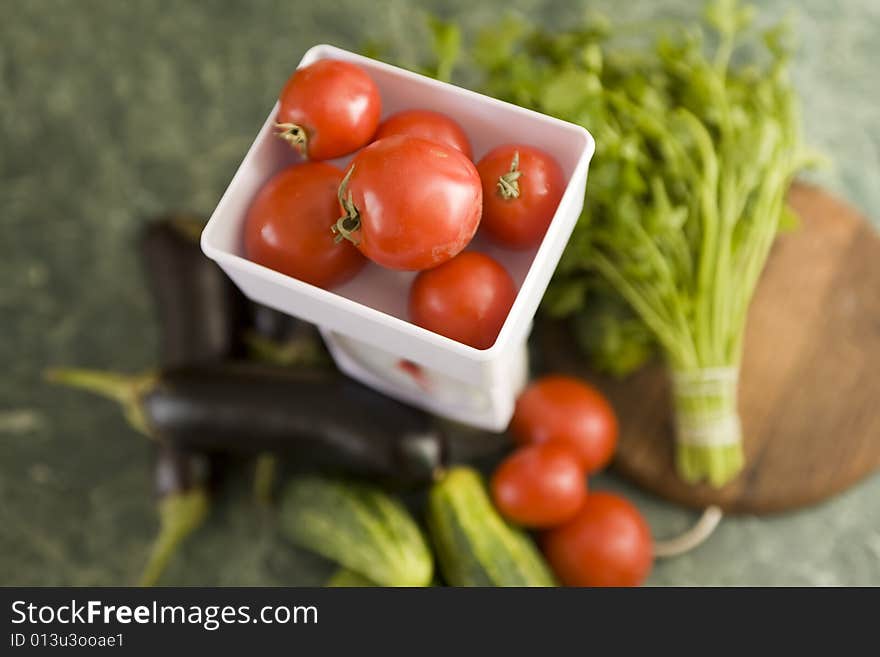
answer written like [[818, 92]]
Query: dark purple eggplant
[[276, 338], [180, 470], [276, 325], [201, 313], [319, 417]]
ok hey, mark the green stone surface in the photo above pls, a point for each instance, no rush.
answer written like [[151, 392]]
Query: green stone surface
[[111, 112]]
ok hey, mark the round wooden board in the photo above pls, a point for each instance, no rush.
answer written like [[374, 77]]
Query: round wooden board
[[810, 385]]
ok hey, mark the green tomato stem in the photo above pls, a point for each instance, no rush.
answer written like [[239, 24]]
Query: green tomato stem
[[508, 183], [350, 222], [294, 135]]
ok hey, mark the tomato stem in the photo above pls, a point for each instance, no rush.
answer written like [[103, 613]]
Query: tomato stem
[[294, 135], [508, 183], [350, 222]]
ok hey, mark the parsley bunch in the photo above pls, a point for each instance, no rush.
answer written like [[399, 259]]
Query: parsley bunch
[[697, 141]]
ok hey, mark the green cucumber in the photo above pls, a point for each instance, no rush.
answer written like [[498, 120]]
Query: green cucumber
[[474, 545], [348, 579], [358, 526]]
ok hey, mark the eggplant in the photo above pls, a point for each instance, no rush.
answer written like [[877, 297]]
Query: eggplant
[[321, 418], [277, 326], [181, 484], [201, 312], [278, 339], [179, 471], [200, 315]]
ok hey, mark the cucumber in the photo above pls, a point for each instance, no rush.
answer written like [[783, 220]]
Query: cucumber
[[347, 579], [358, 526], [474, 545]]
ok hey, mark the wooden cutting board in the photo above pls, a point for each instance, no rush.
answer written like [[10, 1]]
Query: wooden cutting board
[[810, 386]]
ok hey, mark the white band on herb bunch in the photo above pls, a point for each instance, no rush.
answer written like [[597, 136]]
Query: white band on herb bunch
[[705, 402]]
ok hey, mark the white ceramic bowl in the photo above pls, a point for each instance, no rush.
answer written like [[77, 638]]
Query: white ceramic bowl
[[364, 321]]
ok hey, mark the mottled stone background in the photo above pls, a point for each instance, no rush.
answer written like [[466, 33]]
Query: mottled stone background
[[111, 112]]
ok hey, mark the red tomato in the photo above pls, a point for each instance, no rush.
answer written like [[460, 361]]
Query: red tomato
[[328, 109], [608, 543], [409, 203], [426, 124], [522, 187], [567, 409], [288, 226], [540, 485], [466, 299]]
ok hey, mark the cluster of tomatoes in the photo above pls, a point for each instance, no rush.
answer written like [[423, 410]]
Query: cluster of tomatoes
[[410, 199], [567, 430]]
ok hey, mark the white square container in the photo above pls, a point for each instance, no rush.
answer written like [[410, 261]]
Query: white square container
[[364, 322]]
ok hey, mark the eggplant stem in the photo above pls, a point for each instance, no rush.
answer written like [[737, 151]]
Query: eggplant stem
[[296, 352], [179, 516], [122, 388], [190, 227], [692, 538]]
